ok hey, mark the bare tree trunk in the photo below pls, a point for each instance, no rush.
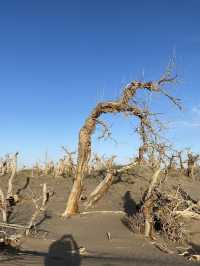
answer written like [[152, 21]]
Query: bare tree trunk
[[153, 183], [143, 148], [140, 158], [192, 159], [84, 153], [180, 160], [3, 206], [148, 204], [190, 170], [148, 225], [171, 163]]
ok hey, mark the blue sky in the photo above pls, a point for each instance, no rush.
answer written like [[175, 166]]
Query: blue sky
[[59, 58]]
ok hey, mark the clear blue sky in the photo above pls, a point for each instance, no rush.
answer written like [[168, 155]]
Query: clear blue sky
[[58, 58]]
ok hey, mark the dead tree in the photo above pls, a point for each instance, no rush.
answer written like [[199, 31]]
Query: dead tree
[[98, 162], [65, 166], [38, 208], [10, 199], [6, 165], [122, 105], [69, 166], [172, 162], [13, 174], [10, 239], [192, 159], [37, 170], [181, 163]]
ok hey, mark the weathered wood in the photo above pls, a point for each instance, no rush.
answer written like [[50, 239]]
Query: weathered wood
[[148, 205], [100, 190], [153, 183], [3, 206]]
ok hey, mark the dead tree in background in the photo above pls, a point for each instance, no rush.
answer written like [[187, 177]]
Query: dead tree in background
[[13, 174], [9, 236], [181, 163], [9, 200], [192, 159], [152, 158], [122, 105], [7, 164], [69, 166], [172, 162]]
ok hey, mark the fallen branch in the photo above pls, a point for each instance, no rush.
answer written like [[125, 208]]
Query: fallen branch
[[187, 214], [100, 190], [104, 212], [13, 226], [126, 167]]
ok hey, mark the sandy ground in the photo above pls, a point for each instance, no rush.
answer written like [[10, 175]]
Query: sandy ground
[[83, 239]]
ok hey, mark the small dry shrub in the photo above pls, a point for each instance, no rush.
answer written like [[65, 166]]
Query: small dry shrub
[[135, 223], [166, 222]]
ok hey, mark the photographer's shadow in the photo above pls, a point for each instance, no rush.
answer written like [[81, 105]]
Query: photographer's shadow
[[63, 252]]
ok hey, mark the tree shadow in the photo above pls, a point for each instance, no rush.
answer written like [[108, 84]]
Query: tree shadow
[[194, 248], [25, 257], [129, 205], [24, 187], [44, 218], [63, 252]]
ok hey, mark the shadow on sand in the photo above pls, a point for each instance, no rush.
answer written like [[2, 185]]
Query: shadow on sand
[[63, 252], [129, 205]]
